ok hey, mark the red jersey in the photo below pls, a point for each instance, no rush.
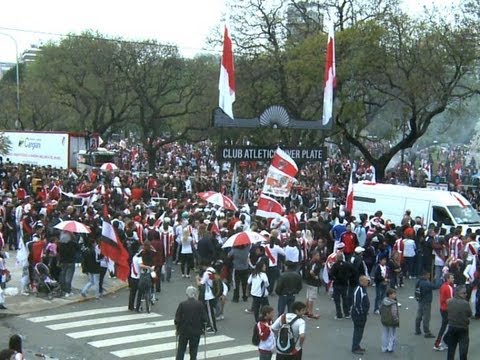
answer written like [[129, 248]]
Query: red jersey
[[350, 240], [446, 292]]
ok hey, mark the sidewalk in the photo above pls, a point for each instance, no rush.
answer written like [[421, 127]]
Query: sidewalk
[[22, 304]]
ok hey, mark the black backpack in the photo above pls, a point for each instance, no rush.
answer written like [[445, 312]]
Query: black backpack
[[286, 339], [255, 335]]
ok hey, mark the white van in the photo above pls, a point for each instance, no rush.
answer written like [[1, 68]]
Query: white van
[[449, 208]]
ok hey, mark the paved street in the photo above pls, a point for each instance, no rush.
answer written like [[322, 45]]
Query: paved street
[[105, 329]]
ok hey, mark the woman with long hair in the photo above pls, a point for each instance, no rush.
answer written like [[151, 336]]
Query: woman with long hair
[[258, 282]]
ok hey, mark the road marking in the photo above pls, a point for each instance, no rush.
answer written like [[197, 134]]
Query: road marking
[[220, 352], [120, 329], [163, 347], [99, 321], [132, 339], [72, 315]]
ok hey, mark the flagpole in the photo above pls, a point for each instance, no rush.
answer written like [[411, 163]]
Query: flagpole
[[220, 162], [322, 180]]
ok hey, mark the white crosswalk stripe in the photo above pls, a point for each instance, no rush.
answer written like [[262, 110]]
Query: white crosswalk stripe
[[120, 329], [98, 321], [138, 336]]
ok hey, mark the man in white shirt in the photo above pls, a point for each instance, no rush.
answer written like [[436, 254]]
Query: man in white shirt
[[298, 328]]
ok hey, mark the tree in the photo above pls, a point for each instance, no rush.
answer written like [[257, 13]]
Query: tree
[[163, 88], [421, 69], [83, 73], [393, 71]]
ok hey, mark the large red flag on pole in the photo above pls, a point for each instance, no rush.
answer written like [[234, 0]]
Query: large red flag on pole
[[226, 84], [329, 79]]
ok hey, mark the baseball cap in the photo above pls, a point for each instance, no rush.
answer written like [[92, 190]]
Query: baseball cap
[[359, 249], [340, 245]]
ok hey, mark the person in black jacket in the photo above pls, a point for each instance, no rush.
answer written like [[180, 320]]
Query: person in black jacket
[[67, 251], [288, 285], [425, 303], [91, 266], [359, 312], [341, 274], [190, 321]]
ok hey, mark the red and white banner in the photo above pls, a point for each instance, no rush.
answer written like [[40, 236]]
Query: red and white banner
[[268, 207], [329, 79], [281, 175], [226, 84]]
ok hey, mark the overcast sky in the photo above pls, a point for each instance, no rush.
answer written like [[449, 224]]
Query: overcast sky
[[185, 23]]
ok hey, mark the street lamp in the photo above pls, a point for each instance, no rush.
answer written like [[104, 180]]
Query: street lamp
[[17, 122]]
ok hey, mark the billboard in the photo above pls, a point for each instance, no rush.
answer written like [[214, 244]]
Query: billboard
[[255, 153], [38, 148]]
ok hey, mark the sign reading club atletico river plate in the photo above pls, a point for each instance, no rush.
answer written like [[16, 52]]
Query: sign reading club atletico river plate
[[252, 153]]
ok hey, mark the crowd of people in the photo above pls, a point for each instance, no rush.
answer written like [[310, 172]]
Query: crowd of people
[[161, 222]]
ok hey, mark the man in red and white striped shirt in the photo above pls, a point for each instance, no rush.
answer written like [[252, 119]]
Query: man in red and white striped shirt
[[455, 246]]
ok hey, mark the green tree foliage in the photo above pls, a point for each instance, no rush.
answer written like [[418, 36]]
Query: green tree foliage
[[83, 76], [395, 74], [164, 86]]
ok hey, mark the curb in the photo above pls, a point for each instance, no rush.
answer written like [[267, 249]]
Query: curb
[[9, 313]]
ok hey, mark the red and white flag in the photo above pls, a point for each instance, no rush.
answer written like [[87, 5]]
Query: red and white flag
[[329, 79], [269, 207], [349, 202], [112, 247], [283, 162], [226, 84], [281, 175]]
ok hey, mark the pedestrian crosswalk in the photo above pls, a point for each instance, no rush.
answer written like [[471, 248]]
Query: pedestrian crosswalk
[[128, 335]]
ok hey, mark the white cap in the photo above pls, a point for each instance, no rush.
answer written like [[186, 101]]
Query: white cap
[[210, 270], [359, 249]]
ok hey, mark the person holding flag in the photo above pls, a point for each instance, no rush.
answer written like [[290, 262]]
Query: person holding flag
[[112, 247]]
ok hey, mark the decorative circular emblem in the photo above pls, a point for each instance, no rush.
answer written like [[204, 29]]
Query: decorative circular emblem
[[275, 116]]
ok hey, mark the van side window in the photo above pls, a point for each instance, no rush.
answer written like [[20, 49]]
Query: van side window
[[440, 214]]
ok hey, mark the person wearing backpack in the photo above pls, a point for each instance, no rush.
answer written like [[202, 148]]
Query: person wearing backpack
[[290, 329], [263, 336], [390, 320], [258, 282]]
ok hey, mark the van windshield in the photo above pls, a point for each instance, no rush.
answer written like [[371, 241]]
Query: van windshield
[[464, 215]]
